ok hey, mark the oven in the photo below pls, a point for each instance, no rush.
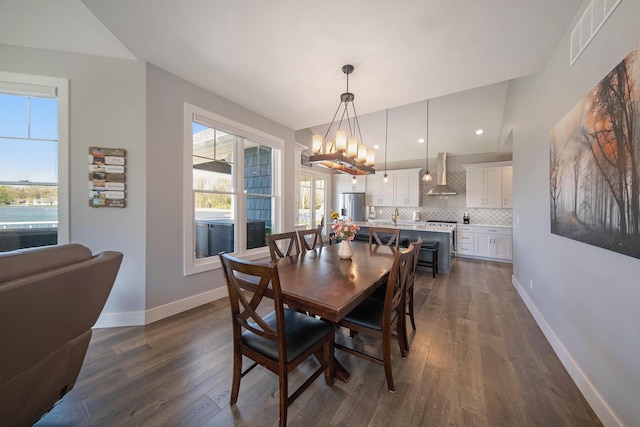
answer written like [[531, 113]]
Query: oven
[[447, 225]]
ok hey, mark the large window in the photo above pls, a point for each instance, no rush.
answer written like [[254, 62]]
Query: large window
[[33, 161], [231, 179]]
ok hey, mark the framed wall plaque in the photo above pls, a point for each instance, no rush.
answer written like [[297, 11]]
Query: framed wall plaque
[[107, 177]]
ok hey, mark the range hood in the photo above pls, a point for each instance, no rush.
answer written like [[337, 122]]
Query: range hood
[[441, 189]]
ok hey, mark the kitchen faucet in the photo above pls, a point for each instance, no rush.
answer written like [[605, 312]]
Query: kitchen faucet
[[394, 216]]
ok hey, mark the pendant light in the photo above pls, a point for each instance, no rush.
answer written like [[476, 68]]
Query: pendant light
[[427, 176], [385, 177]]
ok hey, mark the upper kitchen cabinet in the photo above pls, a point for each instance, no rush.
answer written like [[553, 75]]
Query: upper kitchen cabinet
[[507, 186], [489, 185], [343, 183], [380, 193], [402, 188], [406, 188]]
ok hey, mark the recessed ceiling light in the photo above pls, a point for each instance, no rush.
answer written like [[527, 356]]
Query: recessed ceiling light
[[376, 146], [479, 132], [421, 140]]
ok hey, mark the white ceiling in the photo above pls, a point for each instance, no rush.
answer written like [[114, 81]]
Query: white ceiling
[[283, 59]]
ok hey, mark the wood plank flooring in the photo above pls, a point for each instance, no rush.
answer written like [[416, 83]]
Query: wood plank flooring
[[477, 359]]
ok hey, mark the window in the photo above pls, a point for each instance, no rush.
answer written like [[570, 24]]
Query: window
[[231, 178], [33, 161], [312, 208]]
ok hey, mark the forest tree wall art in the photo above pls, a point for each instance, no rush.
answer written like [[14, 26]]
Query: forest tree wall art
[[595, 164]]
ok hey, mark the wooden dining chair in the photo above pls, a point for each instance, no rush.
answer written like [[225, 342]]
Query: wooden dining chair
[[310, 239], [380, 318], [409, 290], [384, 236], [279, 340], [288, 241]]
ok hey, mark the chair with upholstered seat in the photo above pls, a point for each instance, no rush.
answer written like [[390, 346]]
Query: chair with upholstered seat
[[384, 236], [287, 241], [279, 340], [310, 239], [380, 318]]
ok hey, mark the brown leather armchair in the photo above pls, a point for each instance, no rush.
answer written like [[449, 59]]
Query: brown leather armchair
[[50, 297]]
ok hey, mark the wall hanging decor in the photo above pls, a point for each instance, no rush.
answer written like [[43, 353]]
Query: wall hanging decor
[[107, 177], [595, 164]]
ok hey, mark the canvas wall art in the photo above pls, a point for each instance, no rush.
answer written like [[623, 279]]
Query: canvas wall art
[[595, 164]]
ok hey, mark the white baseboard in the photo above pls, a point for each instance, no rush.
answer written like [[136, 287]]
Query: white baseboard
[[138, 318], [590, 393], [114, 320], [175, 307]]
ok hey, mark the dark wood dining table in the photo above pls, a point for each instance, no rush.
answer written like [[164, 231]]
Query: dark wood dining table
[[321, 283]]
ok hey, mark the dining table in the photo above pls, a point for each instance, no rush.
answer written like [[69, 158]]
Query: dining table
[[321, 283]]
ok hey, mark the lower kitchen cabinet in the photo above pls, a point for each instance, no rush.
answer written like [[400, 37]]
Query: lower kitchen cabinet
[[485, 242], [464, 240]]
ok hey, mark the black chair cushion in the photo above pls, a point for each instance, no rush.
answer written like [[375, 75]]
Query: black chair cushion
[[381, 288], [369, 314], [431, 246], [303, 331]]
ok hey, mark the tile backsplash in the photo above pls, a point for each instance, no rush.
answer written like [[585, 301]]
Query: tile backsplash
[[449, 208]]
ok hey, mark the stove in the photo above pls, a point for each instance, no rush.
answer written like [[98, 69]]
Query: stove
[[451, 225], [437, 223]]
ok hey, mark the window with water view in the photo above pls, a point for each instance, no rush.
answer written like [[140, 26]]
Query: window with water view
[[28, 171]]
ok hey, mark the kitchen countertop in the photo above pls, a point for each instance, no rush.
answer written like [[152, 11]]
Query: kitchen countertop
[[485, 225], [403, 225]]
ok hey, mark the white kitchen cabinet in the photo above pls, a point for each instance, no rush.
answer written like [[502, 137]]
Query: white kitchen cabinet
[[343, 183], [475, 187], [492, 242], [379, 193], [406, 188], [489, 185], [507, 186], [402, 188], [464, 240]]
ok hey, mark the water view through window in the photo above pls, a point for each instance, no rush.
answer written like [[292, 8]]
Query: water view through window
[[28, 171]]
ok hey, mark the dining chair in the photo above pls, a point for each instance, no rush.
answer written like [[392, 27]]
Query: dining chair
[[288, 241], [378, 318], [310, 239], [279, 340], [409, 290], [384, 236]]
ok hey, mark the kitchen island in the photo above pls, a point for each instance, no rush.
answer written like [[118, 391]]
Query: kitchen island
[[410, 231]]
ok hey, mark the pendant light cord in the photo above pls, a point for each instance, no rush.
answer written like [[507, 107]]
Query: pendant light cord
[[426, 160], [386, 136]]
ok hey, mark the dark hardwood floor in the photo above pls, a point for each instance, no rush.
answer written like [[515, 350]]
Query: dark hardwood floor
[[477, 359]]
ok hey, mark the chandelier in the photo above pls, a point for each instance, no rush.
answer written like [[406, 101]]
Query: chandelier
[[344, 153]]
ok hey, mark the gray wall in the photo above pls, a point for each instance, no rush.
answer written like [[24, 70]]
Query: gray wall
[[107, 108], [585, 298], [166, 95], [138, 107]]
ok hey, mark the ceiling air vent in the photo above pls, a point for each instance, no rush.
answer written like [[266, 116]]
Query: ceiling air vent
[[591, 21]]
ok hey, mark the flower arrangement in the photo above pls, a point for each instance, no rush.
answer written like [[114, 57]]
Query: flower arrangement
[[345, 230], [335, 215]]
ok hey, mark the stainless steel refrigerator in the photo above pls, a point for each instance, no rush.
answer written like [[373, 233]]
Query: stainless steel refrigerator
[[354, 206]]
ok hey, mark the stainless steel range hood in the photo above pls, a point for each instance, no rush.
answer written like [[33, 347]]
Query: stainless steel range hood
[[441, 189]]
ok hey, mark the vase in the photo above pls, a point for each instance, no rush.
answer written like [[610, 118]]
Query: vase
[[345, 251]]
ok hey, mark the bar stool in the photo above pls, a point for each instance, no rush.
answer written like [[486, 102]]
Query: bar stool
[[432, 248]]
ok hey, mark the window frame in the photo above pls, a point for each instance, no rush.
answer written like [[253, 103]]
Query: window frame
[[192, 265], [60, 89]]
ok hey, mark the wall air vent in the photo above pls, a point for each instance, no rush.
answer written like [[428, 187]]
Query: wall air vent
[[590, 22]]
